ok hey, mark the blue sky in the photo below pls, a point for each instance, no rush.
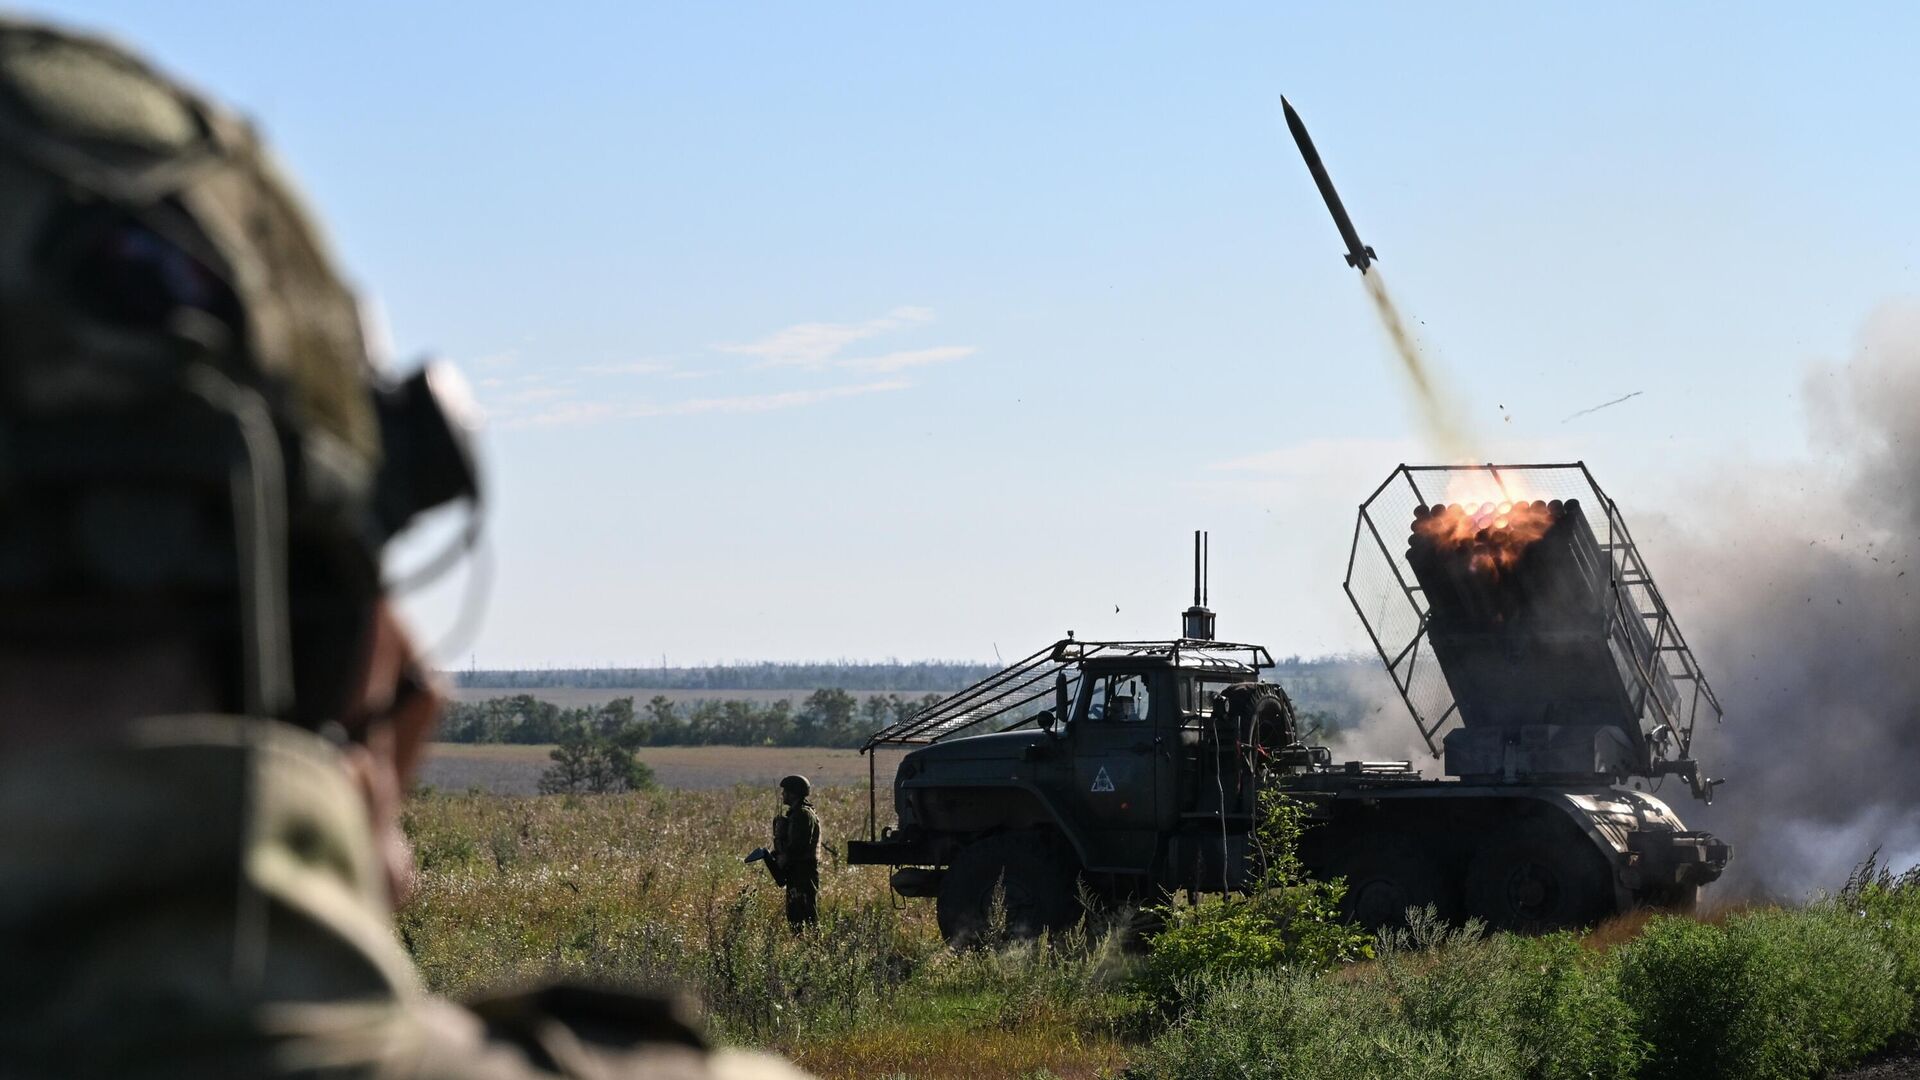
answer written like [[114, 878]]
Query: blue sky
[[868, 330]]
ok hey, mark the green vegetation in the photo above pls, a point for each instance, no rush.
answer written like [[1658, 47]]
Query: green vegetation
[[1435, 1003], [648, 887], [1765, 994], [1330, 693], [1286, 920], [926, 676], [589, 763], [824, 718]]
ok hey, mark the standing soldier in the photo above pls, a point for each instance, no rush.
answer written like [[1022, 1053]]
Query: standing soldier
[[208, 710], [796, 851]]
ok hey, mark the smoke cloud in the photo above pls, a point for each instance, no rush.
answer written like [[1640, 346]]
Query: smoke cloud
[[1798, 587], [1798, 590]]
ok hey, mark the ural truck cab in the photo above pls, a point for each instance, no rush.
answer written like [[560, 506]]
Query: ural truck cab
[[1531, 649], [1100, 768]]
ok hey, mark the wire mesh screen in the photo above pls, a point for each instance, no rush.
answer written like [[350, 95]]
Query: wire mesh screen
[[1006, 699], [1015, 695], [1654, 666]]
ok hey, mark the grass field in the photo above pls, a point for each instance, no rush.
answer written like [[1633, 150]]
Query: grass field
[[505, 769], [649, 888]]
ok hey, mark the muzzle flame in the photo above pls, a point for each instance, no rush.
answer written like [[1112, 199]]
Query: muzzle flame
[[1495, 535]]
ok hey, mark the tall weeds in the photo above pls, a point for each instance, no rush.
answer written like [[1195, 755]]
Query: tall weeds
[[648, 888]]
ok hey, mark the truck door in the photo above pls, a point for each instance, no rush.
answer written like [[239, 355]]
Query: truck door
[[1117, 767]]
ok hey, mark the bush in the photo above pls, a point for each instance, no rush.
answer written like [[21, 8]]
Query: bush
[[586, 764], [1439, 1002], [1766, 994], [1888, 905], [1285, 1025], [1286, 919], [1566, 1008]]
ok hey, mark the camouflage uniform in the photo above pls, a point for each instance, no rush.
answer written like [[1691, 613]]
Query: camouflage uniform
[[202, 896], [253, 937], [796, 852]]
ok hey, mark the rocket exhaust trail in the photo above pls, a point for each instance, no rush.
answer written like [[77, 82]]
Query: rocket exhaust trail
[[1439, 416]]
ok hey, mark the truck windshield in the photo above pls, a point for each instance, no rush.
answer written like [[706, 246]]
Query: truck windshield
[[1120, 699], [1197, 696]]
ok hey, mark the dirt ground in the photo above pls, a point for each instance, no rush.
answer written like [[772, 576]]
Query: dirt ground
[[1900, 1062], [515, 770]]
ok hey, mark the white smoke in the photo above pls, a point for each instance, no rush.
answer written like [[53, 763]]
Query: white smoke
[[1799, 589]]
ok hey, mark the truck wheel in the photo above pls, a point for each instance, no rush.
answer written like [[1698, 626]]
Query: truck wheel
[[1385, 877], [1533, 881], [1031, 877]]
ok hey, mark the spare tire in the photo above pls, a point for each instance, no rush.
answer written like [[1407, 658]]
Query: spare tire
[[1031, 875]]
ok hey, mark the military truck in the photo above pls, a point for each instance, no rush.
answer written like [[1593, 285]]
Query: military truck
[[1521, 630]]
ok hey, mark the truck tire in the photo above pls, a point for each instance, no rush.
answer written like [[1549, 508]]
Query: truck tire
[[1535, 880], [1386, 876], [1031, 873]]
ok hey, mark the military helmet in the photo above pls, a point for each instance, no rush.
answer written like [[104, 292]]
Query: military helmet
[[189, 417], [795, 786]]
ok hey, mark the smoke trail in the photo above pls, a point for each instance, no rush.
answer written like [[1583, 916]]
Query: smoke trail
[[1439, 416], [1590, 410], [1797, 589]]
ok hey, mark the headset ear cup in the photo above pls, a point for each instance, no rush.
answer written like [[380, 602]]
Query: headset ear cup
[[426, 433]]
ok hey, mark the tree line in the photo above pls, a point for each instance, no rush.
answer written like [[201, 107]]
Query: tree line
[[1321, 682], [918, 677], [828, 718]]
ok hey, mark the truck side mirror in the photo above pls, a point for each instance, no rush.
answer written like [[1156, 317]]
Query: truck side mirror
[[1046, 720], [1059, 694]]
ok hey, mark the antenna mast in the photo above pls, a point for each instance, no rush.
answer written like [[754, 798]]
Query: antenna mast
[[1196, 624]]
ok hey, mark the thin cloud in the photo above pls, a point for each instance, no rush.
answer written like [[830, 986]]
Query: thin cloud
[[531, 395], [575, 413], [754, 403], [818, 345], [1313, 457], [635, 367], [900, 361], [565, 414]]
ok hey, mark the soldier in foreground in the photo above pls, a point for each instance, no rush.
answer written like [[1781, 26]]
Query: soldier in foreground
[[796, 851], [208, 711]]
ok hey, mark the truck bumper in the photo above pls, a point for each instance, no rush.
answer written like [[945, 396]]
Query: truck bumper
[[1676, 858], [889, 851]]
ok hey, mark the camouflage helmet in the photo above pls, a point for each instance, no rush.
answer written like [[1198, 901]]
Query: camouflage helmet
[[794, 787], [171, 321], [108, 168]]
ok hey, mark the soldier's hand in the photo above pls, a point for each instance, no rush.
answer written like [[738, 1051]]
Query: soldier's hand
[[397, 709]]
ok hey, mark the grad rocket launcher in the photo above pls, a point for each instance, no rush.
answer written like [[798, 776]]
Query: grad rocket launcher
[[1523, 630], [1530, 644]]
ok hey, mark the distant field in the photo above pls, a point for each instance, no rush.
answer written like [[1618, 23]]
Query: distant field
[[515, 770], [572, 697]]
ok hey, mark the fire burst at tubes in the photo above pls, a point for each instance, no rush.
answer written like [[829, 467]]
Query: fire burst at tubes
[[1495, 534]]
